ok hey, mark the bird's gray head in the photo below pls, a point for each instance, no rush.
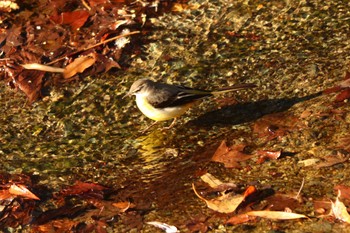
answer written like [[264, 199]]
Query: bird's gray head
[[140, 86]]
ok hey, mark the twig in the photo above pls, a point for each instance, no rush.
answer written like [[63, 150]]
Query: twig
[[95, 45], [301, 187]]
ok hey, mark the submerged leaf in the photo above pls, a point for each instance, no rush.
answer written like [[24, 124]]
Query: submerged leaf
[[278, 215], [226, 203], [238, 219], [230, 156]]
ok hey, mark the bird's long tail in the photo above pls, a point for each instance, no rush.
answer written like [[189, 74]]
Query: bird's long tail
[[233, 88]]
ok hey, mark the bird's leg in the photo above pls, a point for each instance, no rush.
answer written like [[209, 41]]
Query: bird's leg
[[171, 125], [148, 127]]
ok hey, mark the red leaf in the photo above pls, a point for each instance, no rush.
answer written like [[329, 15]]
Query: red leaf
[[230, 156], [266, 154], [345, 191], [238, 219], [75, 19], [345, 94], [82, 187]]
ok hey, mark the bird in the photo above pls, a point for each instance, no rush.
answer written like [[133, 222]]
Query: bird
[[160, 101]]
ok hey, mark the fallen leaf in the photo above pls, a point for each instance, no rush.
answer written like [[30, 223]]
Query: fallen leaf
[[345, 191], [277, 215], [275, 126], [21, 190], [198, 224], [59, 225], [5, 194], [230, 156], [167, 228], [217, 184], [227, 203], [333, 160], [339, 210], [81, 188], [211, 180], [75, 19], [343, 95], [322, 206], [308, 162], [239, 219], [41, 67], [123, 206], [281, 201], [266, 154], [79, 65]]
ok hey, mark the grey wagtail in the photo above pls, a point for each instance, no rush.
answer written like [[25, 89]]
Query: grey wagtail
[[161, 102]]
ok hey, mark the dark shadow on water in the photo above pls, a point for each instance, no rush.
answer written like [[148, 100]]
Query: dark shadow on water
[[246, 112]]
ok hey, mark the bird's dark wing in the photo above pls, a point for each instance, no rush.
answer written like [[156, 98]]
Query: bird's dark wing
[[168, 96]]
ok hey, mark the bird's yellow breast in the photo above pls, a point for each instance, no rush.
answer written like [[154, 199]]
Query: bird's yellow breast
[[160, 114]]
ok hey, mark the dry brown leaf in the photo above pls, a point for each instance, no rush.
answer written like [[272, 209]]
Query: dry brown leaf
[[339, 210], [238, 219], [333, 160], [230, 156], [21, 190], [167, 228], [277, 215], [211, 180], [5, 194], [267, 154], [123, 206], [226, 203], [345, 190], [308, 162], [41, 67], [79, 65]]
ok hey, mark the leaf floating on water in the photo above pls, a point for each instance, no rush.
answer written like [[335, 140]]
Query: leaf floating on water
[[277, 215], [79, 65], [21, 190], [339, 210], [227, 203], [167, 228]]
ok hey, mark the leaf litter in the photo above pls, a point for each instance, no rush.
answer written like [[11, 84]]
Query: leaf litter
[[83, 38]]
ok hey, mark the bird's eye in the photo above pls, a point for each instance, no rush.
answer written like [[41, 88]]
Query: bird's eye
[[139, 88]]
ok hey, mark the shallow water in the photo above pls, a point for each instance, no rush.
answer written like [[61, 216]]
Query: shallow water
[[292, 50]]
